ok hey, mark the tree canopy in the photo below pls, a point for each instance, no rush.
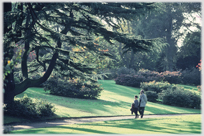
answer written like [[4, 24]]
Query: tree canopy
[[52, 31]]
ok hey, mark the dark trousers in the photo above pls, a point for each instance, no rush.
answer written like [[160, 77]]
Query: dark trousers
[[135, 111], [141, 111]]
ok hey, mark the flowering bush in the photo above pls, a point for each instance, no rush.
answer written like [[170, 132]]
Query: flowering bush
[[173, 77], [155, 86], [136, 79], [153, 74], [72, 88], [199, 66], [189, 77]]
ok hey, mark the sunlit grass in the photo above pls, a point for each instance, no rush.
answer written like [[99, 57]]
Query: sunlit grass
[[114, 100], [188, 124], [190, 88]]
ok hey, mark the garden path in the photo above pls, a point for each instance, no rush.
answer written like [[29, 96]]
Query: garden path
[[78, 120]]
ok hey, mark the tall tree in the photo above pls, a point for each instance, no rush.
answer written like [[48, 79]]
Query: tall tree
[[166, 23], [51, 30], [189, 55]]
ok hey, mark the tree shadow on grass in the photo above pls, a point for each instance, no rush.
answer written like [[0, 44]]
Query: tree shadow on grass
[[147, 126], [57, 130]]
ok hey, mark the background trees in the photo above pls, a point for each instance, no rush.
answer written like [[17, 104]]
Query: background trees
[[189, 55], [168, 22]]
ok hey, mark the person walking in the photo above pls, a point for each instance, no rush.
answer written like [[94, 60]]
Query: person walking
[[142, 103], [136, 104]]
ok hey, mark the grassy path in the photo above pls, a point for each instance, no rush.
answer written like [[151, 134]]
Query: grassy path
[[182, 121]]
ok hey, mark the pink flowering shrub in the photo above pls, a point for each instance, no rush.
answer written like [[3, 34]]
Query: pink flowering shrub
[[173, 77], [191, 77], [136, 79]]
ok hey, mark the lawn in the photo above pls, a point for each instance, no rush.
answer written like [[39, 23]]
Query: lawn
[[115, 100], [188, 124]]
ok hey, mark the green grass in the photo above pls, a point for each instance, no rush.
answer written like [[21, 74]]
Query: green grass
[[115, 100], [188, 124], [190, 88]]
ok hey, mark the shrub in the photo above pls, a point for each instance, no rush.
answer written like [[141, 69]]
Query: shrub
[[72, 88], [151, 74], [130, 80], [191, 76], [155, 86], [173, 77], [136, 79], [152, 96], [179, 97], [29, 108]]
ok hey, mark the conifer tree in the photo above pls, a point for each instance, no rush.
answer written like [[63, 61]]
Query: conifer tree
[[52, 30]]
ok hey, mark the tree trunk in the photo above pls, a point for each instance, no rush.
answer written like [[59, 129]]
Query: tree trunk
[[169, 51], [9, 84], [132, 58], [9, 87]]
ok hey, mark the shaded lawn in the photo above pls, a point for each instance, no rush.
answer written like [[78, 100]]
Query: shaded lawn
[[114, 100], [188, 124]]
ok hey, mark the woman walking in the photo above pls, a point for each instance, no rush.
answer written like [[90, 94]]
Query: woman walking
[[142, 103]]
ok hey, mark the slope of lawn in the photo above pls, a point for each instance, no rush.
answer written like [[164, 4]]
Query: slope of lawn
[[114, 100], [190, 88], [188, 124]]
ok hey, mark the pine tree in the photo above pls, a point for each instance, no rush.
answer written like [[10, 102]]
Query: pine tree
[[52, 30]]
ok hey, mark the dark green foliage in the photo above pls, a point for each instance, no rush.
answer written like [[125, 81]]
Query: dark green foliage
[[29, 108], [189, 54], [191, 77], [171, 94], [124, 70], [152, 96], [72, 88], [179, 97], [157, 87]]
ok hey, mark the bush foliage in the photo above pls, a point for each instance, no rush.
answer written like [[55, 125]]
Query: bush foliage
[[141, 76], [152, 96], [188, 77], [29, 108], [72, 88], [171, 94], [177, 96], [157, 87], [173, 77], [191, 77]]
